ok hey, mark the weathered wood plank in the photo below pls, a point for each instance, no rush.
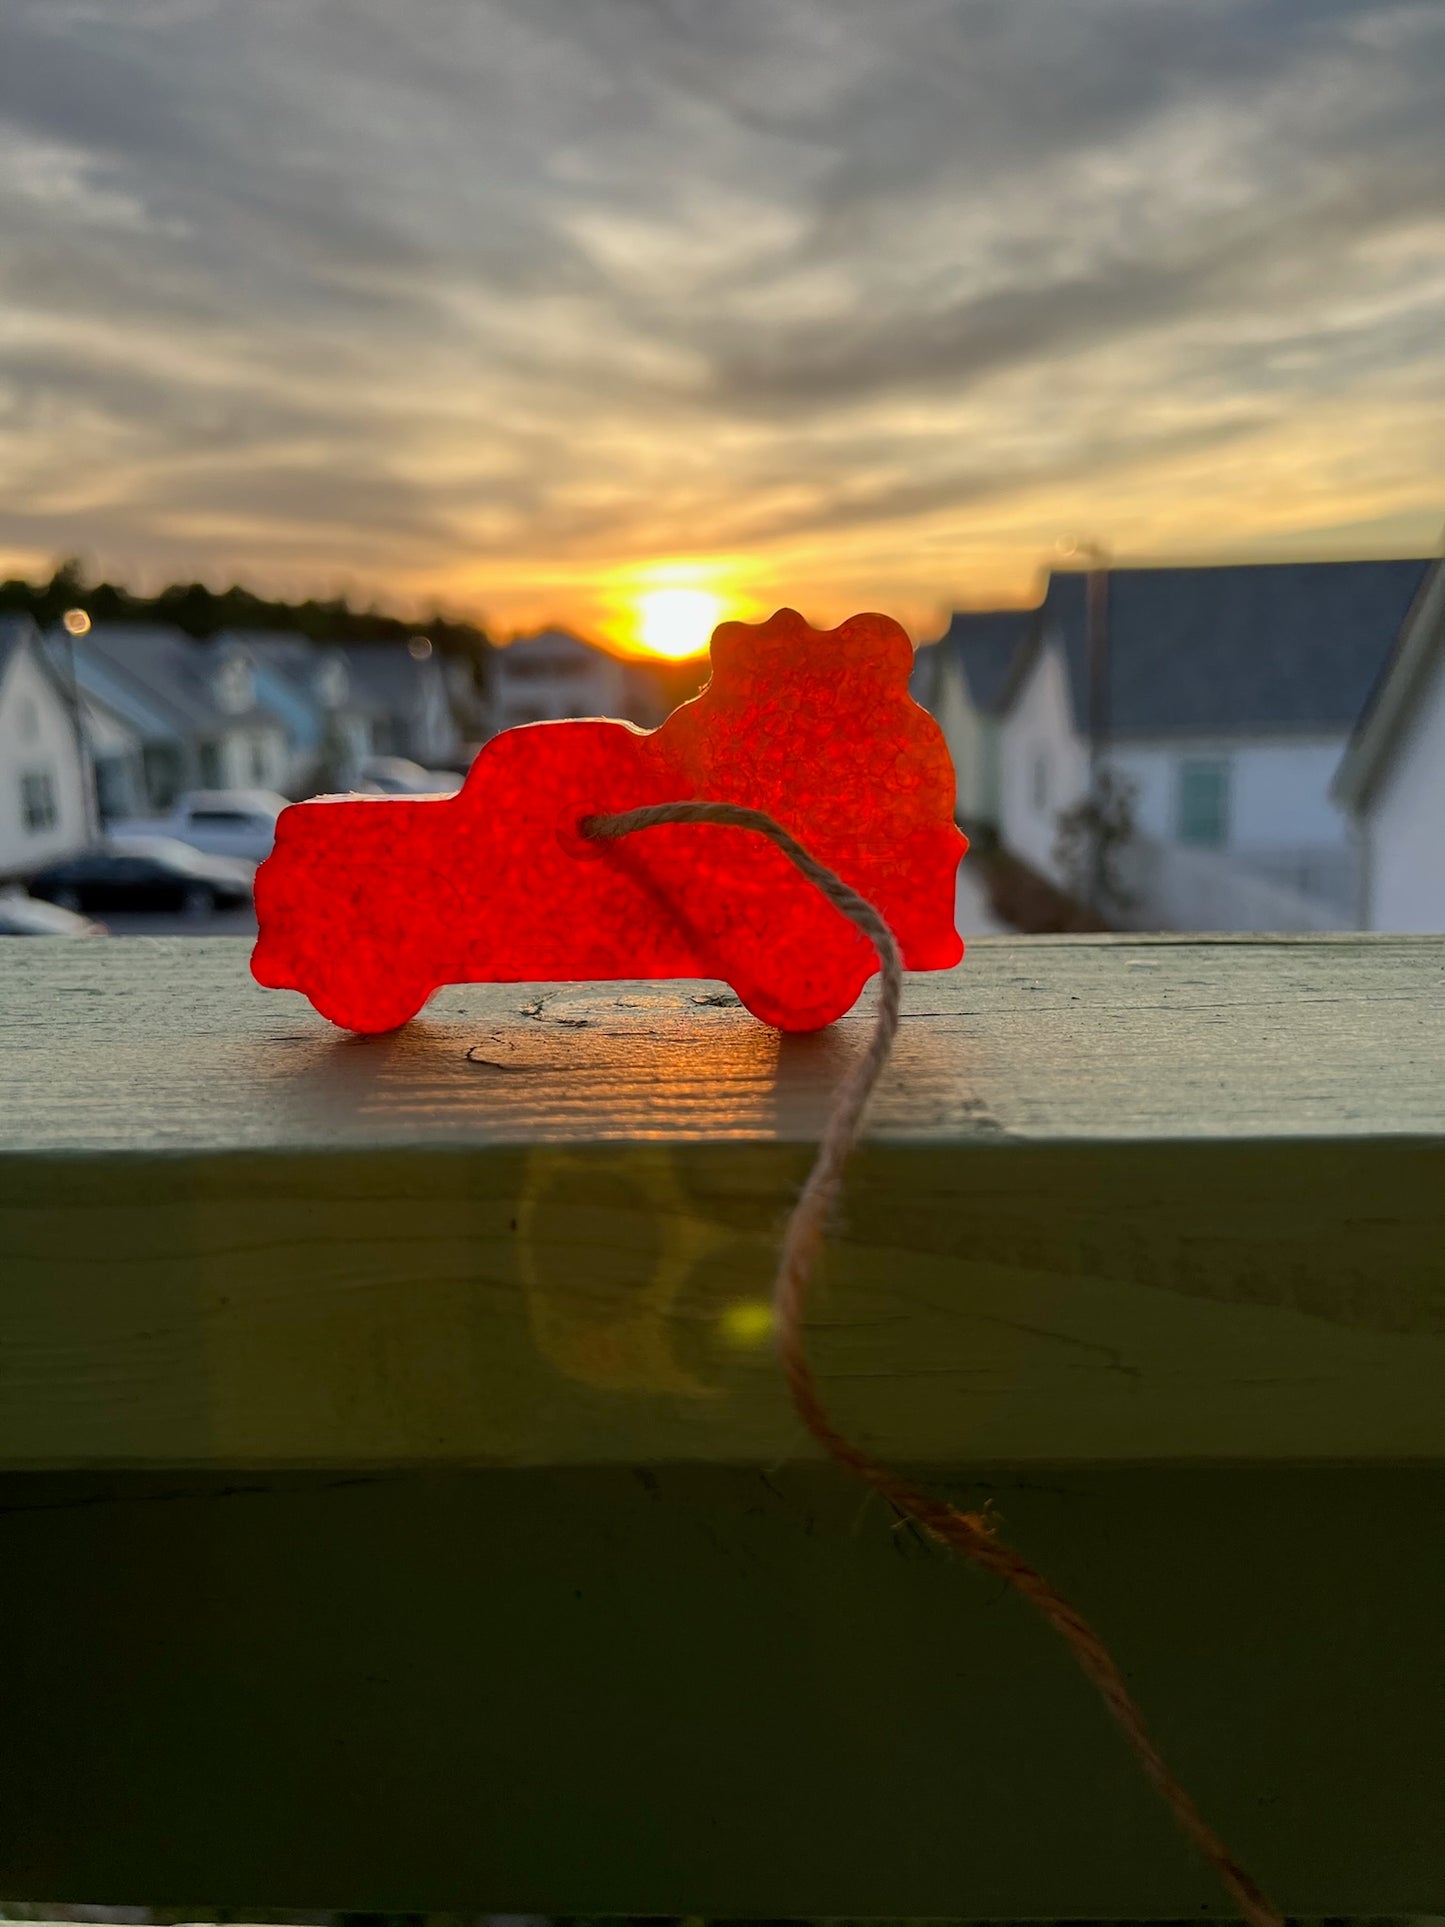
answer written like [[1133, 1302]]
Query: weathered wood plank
[[1085, 1229], [563, 1627], [163, 1044]]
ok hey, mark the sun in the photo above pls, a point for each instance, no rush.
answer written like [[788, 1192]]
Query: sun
[[676, 622]]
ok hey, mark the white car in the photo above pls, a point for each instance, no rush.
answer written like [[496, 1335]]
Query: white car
[[399, 776], [26, 916], [239, 823]]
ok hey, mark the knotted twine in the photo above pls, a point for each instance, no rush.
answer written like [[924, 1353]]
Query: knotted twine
[[967, 1532]]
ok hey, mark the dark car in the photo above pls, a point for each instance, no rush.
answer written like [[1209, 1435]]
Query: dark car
[[146, 873]]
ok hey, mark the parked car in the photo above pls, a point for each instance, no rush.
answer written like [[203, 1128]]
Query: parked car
[[399, 776], [240, 823], [25, 916], [146, 873]]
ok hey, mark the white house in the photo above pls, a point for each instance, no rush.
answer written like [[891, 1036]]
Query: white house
[[176, 714], [965, 679], [554, 676], [1043, 756], [44, 807], [1230, 696], [1392, 778]]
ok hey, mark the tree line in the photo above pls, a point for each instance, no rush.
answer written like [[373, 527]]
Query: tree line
[[201, 611]]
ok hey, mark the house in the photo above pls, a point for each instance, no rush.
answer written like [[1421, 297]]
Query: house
[[964, 678], [553, 676], [404, 689], [1392, 776], [170, 714], [468, 701], [1230, 695], [44, 802], [131, 741], [332, 725]]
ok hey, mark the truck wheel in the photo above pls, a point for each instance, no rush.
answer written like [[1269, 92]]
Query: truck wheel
[[799, 1022], [374, 1012]]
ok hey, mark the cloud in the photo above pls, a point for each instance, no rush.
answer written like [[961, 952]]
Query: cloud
[[498, 295]]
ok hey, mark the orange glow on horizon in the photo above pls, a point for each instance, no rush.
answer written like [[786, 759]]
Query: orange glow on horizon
[[665, 610]]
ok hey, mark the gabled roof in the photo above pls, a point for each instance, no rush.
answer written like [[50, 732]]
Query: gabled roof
[[300, 666], [558, 649], [986, 645], [171, 675], [15, 631], [284, 650], [386, 674], [20, 634], [566, 641], [923, 677], [1257, 649], [108, 687], [1399, 687]]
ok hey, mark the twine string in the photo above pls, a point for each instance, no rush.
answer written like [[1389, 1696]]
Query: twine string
[[967, 1532]]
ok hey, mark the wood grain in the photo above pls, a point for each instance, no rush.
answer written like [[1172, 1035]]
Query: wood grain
[[400, 1509], [165, 1044], [1123, 1201]]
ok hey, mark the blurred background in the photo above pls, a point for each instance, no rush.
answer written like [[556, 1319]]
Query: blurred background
[[374, 378]]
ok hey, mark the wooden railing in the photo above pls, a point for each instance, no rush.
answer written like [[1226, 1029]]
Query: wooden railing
[[401, 1509]]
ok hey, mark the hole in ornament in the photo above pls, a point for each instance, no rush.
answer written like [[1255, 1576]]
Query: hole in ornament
[[586, 849]]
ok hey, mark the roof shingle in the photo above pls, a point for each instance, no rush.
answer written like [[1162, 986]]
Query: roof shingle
[[985, 643], [1253, 649]]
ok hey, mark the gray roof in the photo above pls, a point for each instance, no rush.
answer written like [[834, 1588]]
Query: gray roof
[[301, 663], [561, 643], [22, 632], [1254, 649], [171, 672], [282, 649], [386, 673], [923, 677], [986, 644], [14, 631]]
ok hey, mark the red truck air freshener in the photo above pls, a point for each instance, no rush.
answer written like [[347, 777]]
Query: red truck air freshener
[[368, 904]]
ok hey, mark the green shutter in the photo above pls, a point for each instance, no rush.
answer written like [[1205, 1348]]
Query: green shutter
[[1204, 802]]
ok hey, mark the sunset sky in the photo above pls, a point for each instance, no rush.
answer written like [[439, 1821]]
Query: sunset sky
[[539, 307]]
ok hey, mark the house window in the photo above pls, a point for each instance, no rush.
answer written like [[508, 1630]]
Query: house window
[[259, 765], [1203, 813], [1041, 779], [161, 774], [212, 774], [28, 720], [37, 801]]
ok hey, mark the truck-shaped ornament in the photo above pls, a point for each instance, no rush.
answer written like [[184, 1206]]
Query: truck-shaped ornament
[[367, 904]]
